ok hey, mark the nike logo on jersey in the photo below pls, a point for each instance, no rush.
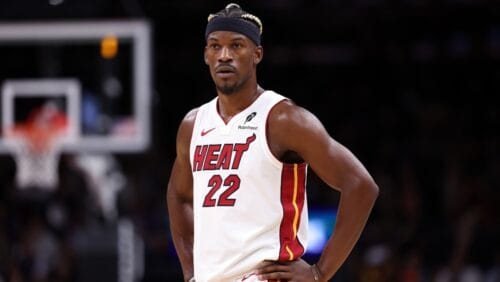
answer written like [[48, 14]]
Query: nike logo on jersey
[[205, 132]]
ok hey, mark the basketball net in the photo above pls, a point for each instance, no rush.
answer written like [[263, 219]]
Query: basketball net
[[36, 144]]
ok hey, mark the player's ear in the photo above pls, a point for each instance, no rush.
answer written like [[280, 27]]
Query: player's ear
[[258, 54], [205, 57]]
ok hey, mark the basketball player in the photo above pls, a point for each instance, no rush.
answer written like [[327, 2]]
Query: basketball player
[[236, 194]]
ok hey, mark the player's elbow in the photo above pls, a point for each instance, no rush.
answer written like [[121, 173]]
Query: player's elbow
[[369, 190], [375, 190], [363, 189]]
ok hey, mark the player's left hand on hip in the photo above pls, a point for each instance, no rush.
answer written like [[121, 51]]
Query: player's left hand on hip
[[291, 271]]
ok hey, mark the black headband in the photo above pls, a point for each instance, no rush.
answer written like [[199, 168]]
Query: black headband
[[236, 25]]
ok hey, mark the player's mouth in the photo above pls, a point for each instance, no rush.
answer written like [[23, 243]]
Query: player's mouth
[[225, 71]]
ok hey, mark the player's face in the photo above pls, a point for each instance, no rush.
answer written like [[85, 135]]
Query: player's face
[[232, 59]]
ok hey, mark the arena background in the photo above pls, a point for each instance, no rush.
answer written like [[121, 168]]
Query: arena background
[[411, 87]]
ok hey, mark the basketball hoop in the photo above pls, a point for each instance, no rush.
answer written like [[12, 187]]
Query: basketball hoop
[[36, 145]]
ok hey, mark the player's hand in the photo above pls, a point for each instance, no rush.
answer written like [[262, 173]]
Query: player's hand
[[291, 271]]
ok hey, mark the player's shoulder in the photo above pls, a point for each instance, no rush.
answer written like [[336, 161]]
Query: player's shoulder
[[187, 123], [288, 118], [191, 115], [288, 111]]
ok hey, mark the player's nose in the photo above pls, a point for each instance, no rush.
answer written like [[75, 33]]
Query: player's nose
[[225, 54]]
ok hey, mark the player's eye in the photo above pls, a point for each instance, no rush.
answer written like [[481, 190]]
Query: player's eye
[[214, 46]]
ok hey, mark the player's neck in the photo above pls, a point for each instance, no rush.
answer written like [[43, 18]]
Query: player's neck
[[230, 105]]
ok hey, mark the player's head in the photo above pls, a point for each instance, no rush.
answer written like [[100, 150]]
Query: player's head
[[233, 47]]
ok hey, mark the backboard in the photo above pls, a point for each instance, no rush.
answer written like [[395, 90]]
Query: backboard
[[98, 73]]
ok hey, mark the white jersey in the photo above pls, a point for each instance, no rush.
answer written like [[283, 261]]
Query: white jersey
[[248, 206]]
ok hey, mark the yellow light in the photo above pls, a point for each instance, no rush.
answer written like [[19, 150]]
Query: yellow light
[[109, 47]]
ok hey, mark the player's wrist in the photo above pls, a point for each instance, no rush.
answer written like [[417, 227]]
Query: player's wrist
[[316, 273]]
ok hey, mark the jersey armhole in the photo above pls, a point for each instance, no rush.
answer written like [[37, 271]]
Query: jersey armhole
[[265, 145]]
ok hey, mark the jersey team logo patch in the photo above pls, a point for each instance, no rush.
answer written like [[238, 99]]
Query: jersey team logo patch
[[205, 132]]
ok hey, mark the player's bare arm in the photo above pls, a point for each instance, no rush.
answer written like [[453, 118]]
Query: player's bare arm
[[295, 131], [180, 197]]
